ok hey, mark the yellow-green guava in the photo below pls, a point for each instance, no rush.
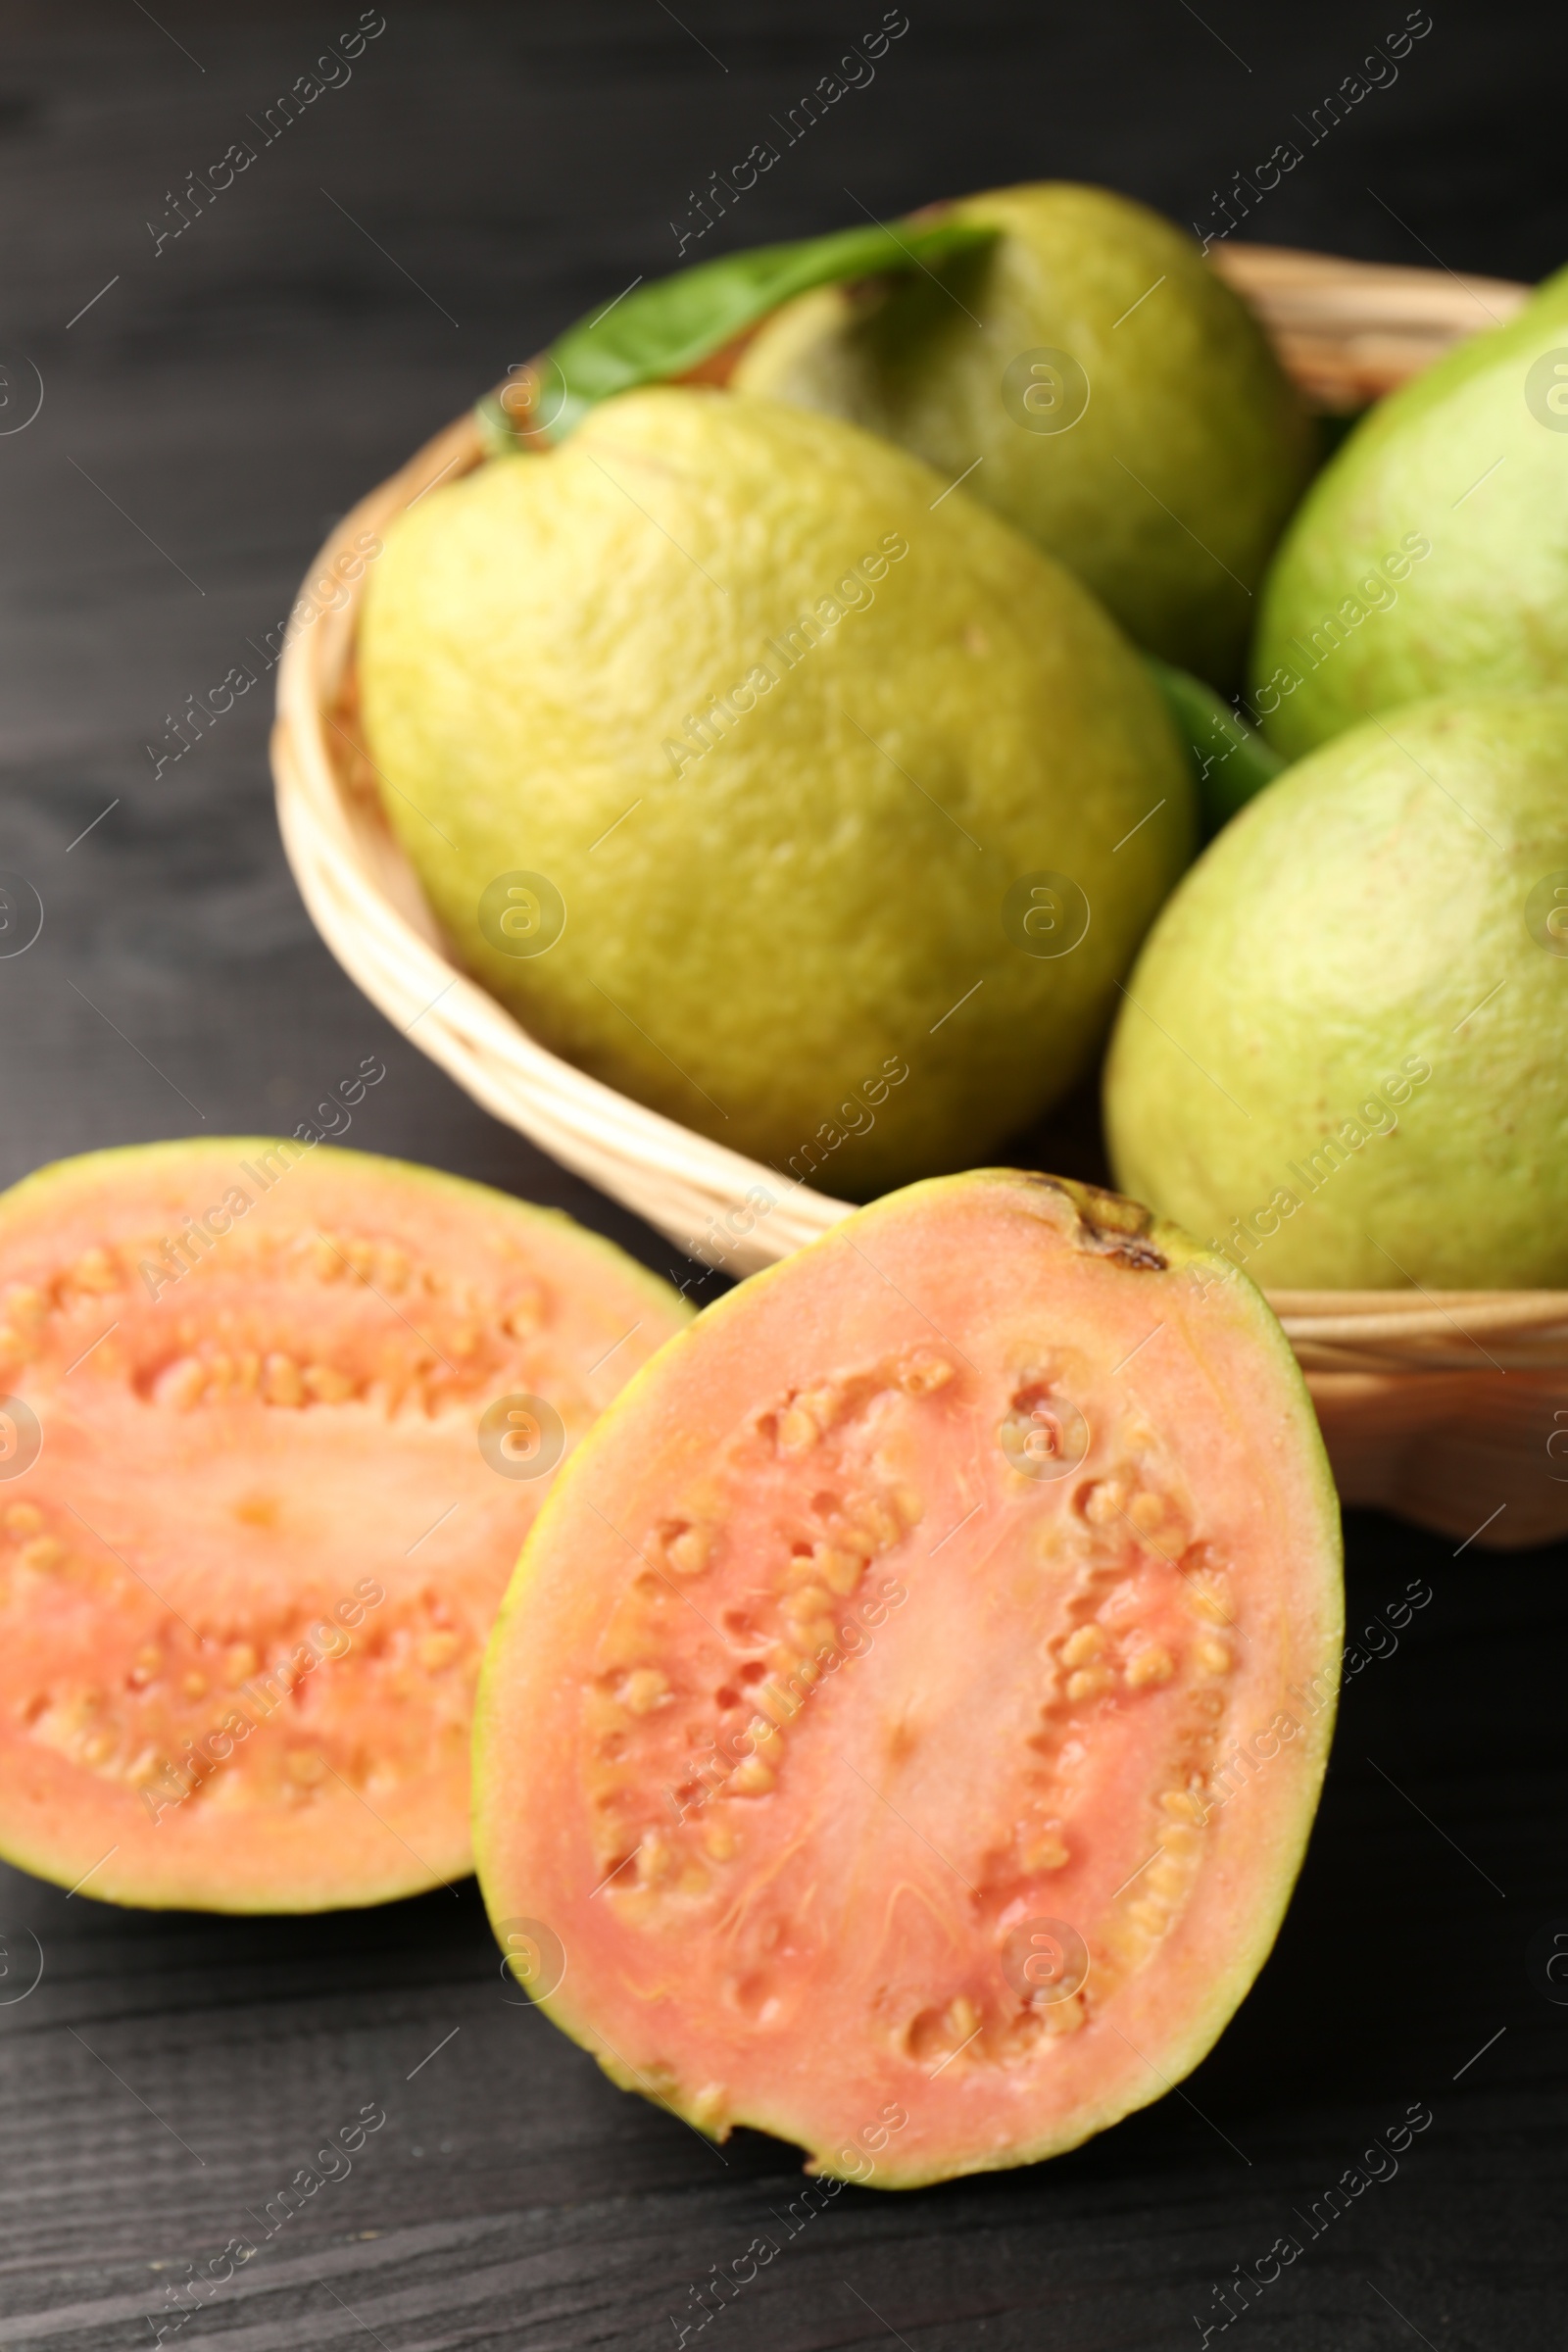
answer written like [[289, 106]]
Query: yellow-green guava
[[813, 809], [1096, 383], [1342, 1050], [1431, 557]]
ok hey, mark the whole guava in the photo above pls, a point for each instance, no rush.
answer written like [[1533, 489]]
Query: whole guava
[[1342, 1050], [1092, 380], [816, 811], [1431, 557]]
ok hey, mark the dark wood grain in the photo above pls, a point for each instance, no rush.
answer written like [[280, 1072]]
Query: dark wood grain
[[224, 399]]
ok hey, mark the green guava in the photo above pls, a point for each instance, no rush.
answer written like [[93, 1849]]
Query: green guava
[[1342, 1050], [809, 807], [1431, 557], [1096, 383]]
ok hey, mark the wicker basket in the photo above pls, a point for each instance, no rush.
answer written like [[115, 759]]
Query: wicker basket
[[1443, 1407]]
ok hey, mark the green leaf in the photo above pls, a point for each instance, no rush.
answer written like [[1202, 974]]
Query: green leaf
[[1230, 761], [670, 326]]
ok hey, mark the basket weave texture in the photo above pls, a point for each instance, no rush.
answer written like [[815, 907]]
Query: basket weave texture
[[1449, 1407]]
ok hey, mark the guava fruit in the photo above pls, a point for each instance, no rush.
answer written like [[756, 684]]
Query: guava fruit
[[768, 784], [904, 1728], [1095, 384], [275, 1423], [1342, 1050], [1431, 555]]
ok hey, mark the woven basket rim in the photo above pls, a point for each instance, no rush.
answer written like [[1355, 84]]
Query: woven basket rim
[[361, 893]]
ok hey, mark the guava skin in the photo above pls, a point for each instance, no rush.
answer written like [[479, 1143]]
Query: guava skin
[[1465, 470], [1168, 491], [783, 916], [1343, 1053]]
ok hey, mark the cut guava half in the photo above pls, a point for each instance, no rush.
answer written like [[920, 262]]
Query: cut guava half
[[904, 1728], [274, 1423]]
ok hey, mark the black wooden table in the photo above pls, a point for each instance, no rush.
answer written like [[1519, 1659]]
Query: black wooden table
[[219, 376]]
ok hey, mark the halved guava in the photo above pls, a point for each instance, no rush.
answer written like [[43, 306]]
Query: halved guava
[[904, 1728], [276, 1422]]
